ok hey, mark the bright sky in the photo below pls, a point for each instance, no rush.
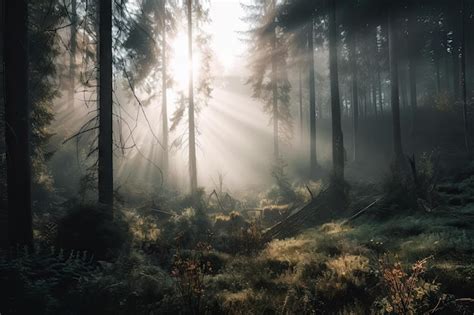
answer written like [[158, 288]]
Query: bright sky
[[226, 18]]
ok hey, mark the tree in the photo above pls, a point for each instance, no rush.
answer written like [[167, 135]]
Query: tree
[[274, 84], [313, 160], [412, 39], [355, 88], [18, 127], [268, 62], [463, 77], [191, 124], [337, 137], [395, 103], [73, 49], [105, 163], [164, 80]]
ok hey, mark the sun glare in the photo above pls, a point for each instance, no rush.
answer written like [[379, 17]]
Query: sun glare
[[179, 63]]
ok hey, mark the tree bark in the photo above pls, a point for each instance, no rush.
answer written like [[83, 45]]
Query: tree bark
[[300, 96], [379, 79], [355, 101], [192, 128], [312, 104], [337, 137], [395, 102], [105, 104], [374, 97], [17, 123], [72, 56], [274, 83], [412, 70], [463, 78], [164, 104]]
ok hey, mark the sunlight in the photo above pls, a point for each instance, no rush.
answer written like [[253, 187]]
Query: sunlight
[[179, 63]]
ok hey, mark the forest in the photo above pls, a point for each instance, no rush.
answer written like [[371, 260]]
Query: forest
[[237, 157]]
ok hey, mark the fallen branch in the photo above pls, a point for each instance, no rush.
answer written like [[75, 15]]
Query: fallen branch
[[161, 211], [310, 192], [360, 212]]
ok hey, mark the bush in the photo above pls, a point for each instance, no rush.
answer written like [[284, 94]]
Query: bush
[[92, 229], [407, 292], [41, 280], [186, 230], [130, 285]]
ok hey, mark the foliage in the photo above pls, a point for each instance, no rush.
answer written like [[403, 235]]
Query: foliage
[[129, 285], [187, 229], [268, 64], [283, 191], [92, 228], [42, 280], [407, 293], [188, 273]]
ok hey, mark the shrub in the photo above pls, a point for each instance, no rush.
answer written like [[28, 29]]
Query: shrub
[[188, 273], [92, 229], [407, 292], [41, 280]]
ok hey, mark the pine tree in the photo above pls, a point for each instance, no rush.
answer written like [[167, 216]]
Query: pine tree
[[18, 126], [337, 137], [105, 170]]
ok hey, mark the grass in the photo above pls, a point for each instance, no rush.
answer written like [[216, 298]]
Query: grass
[[334, 268]]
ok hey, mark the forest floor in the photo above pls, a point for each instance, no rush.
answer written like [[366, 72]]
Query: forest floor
[[191, 257]]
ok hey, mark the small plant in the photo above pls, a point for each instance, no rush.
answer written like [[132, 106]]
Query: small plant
[[283, 191], [407, 292], [189, 273], [250, 239]]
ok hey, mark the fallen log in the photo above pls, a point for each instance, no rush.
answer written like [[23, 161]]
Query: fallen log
[[300, 218], [318, 211]]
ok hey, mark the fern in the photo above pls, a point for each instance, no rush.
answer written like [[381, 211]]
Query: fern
[[40, 280]]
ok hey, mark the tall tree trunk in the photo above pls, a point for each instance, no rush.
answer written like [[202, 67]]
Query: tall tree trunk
[[456, 75], [17, 123], [438, 75], [164, 108], [412, 69], [447, 82], [404, 89], [355, 101], [395, 102], [300, 96], [72, 56], [274, 78], [374, 97], [192, 128], [105, 104], [312, 104], [379, 79], [463, 78], [337, 137]]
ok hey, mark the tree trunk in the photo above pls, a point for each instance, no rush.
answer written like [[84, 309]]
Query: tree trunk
[[379, 79], [164, 104], [412, 70], [355, 101], [300, 96], [456, 75], [105, 104], [395, 102], [438, 75], [274, 76], [337, 137], [17, 123], [463, 78], [192, 128], [374, 98], [312, 104], [72, 56]]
